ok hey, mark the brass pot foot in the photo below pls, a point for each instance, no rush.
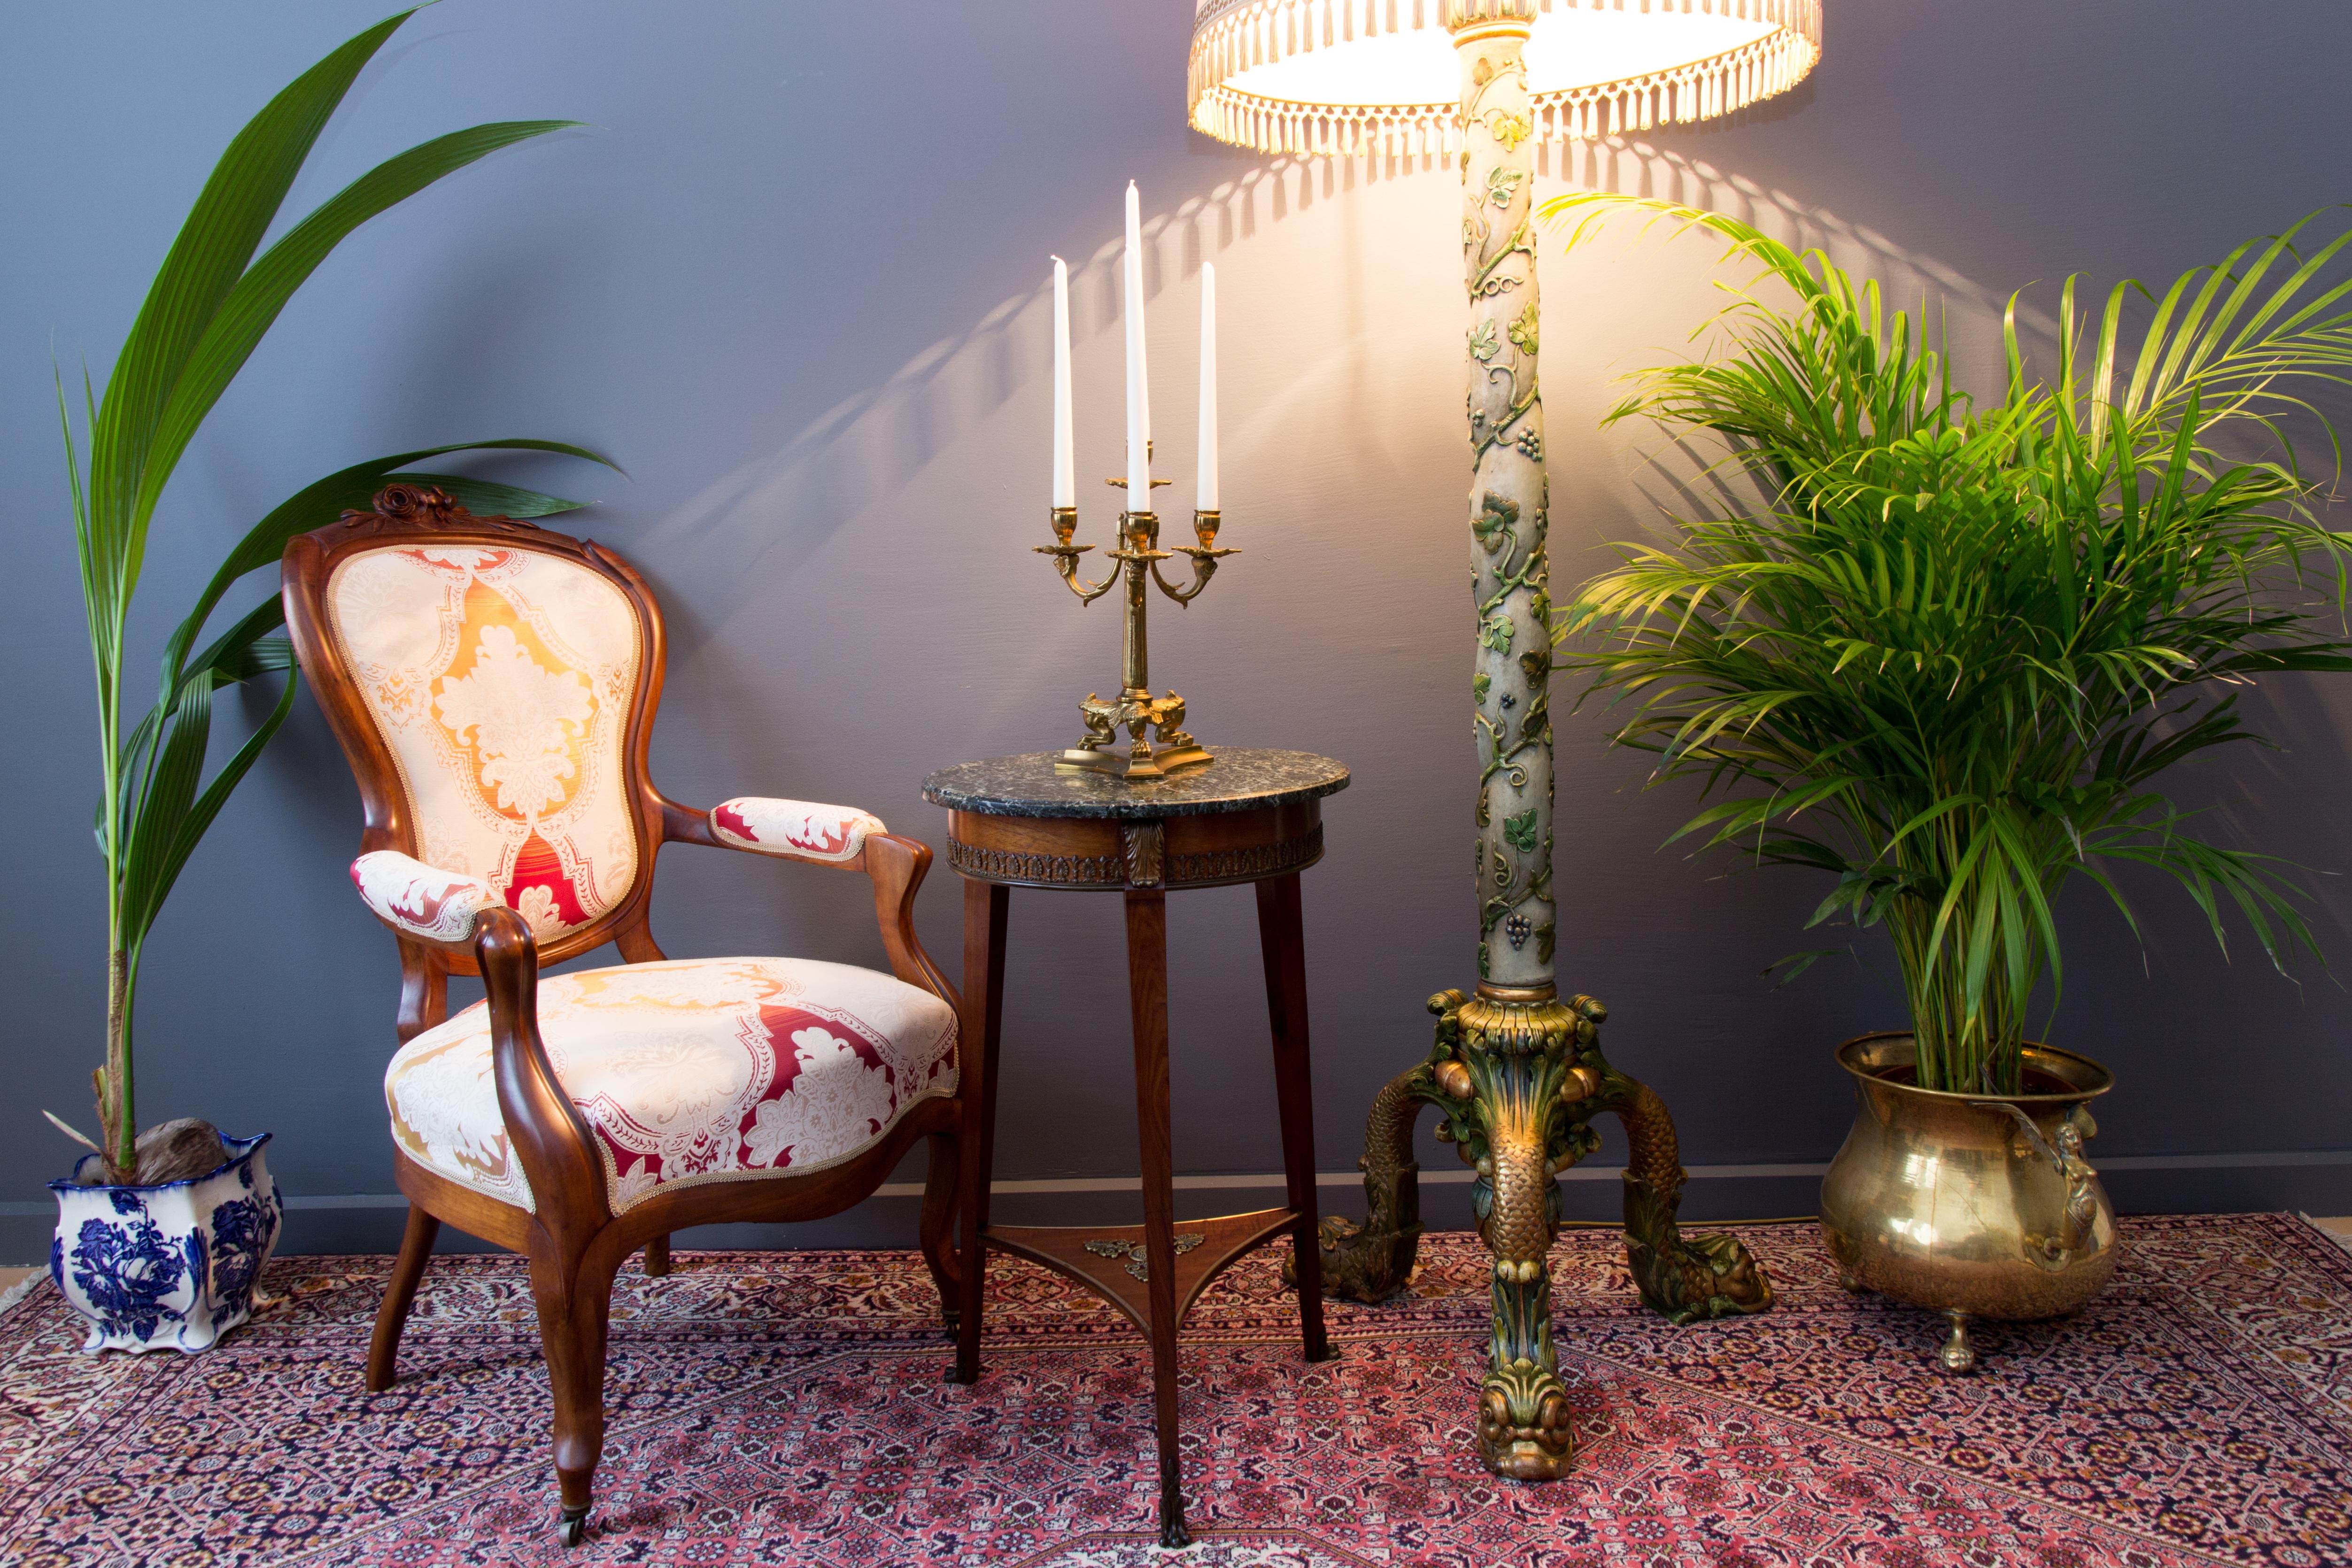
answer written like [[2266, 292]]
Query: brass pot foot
[[1959, 1354], [1848, 1284]]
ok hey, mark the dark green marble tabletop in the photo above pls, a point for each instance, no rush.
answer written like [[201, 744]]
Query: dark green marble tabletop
[[1242, 778]]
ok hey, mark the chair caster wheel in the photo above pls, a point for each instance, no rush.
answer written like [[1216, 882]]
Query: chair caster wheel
[[571, 1527]]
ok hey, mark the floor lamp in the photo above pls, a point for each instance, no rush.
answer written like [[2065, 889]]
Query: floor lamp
[[1516, 1072]]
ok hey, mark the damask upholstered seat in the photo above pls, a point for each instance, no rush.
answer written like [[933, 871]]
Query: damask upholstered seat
[[494, 686], [704, 1069]]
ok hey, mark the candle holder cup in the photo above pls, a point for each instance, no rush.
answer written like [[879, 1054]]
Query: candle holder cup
[[1157, 742]]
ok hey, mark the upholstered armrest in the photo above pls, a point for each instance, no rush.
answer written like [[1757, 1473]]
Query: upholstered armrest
[[411, 896], [796, 829], [549, 1134]]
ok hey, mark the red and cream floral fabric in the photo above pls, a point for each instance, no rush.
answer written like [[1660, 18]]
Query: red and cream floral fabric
[[416, 898], [801, 829], [501, 680], [694, 1070]]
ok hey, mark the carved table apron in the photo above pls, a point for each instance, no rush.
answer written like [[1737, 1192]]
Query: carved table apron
[[1251, 817]]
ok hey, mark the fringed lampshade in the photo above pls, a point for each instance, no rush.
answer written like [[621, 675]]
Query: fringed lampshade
[[1349, 79], [1517, 1071]]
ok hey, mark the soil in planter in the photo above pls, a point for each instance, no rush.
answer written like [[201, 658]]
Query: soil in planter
[[178, 1150]]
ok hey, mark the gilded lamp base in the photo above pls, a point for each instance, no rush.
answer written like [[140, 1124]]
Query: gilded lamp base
[[1517, 1077]]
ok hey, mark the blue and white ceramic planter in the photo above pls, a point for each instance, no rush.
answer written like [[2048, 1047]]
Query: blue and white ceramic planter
[[169, 1267]]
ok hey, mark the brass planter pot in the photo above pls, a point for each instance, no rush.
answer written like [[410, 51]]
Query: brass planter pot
[[1974, 1205]]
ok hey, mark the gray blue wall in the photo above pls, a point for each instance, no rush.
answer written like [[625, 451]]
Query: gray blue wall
[[791, 278]]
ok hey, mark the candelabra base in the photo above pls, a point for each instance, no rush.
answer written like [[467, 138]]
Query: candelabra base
[[1146, 718], [1155, 762]]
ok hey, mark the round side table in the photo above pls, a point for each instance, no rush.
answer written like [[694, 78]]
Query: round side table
[[1250, 816]]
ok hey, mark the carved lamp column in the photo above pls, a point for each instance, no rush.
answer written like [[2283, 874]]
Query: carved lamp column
[[1516, 1072]]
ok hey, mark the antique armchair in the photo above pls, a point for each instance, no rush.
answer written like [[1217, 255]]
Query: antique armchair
[[493, 685]]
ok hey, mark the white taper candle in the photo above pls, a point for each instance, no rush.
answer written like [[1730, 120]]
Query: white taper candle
[[1206, 499], [1138, 394], [1066, 470]]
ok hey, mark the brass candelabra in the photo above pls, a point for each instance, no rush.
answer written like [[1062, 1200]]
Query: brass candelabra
[[1157, 742]]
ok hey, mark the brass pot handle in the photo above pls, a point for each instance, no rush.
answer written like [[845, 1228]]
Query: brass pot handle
[[2066, 1159]]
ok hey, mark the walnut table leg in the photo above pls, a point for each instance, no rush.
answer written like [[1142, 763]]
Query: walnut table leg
[[985, 907], [1281, 935], [1147, 980]]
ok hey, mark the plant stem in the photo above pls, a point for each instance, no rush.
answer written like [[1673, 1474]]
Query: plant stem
[[121, 1130]]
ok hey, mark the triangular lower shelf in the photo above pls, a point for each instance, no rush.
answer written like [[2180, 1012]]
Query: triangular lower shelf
[[1063, 1248]]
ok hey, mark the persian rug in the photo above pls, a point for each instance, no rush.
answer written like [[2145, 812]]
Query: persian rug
[[792, 1408]]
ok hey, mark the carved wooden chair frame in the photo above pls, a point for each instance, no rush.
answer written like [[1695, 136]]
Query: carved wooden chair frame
[[574, 1241]]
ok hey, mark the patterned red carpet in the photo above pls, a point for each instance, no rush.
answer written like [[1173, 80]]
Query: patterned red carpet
[[789, 1409]]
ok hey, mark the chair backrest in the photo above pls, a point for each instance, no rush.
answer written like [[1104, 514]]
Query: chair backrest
[[493, 684]]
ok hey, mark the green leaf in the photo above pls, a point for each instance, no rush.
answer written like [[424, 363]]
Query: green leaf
[[202, 268], [1795, 963], [210, 304], [1520, 831], [1963, 640], [207, 806], [1496, 515], [162, 809], [262, 292]]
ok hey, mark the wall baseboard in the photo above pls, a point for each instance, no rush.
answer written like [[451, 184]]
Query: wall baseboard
[[2256, 1160], [2315, 1181]]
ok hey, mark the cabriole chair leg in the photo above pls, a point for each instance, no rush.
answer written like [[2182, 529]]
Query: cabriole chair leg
[[938, 1225], [573, 1318], [657, 1256], [399, 1295]]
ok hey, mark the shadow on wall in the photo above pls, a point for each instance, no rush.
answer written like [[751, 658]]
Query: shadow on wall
[[1325, 280], [825, 476]]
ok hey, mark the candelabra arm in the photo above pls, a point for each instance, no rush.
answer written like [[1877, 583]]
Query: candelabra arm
[[1205, 567], [1065, 556], [1065, 561], [1205, 556]]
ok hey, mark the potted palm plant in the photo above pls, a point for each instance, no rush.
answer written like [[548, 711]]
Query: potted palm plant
[[1945, 658], [161, 1234]]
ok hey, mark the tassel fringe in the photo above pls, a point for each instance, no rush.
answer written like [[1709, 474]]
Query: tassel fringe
[[1229, 37]]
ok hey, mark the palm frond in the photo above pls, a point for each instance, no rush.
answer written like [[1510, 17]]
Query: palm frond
[[211, 303], [1964, 640]]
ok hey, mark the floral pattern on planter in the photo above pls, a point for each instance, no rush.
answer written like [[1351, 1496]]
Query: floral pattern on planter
[[172, 1266]]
